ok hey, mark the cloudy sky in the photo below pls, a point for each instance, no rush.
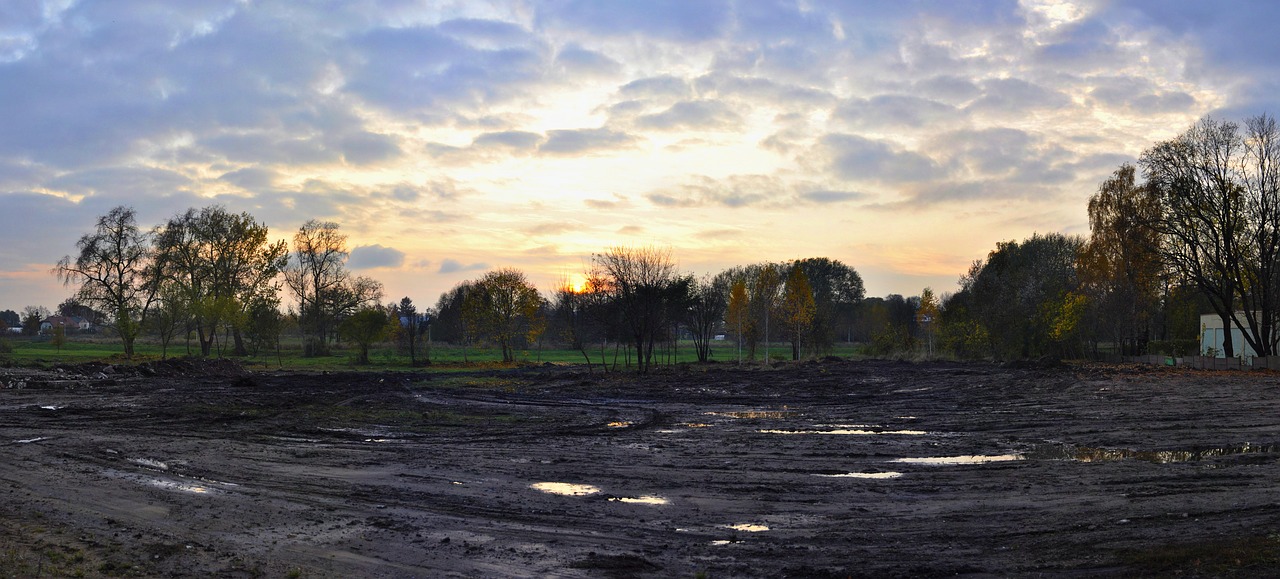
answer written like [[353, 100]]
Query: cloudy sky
[[903, 138]]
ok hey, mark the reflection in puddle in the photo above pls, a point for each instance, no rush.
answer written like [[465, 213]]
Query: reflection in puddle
[[755, 414], [53, 407], [642, 500], [866, 475], [748, 527], [969, 459], [847, 431], [31, 440], [150, 463], [178, 486], [1088, 454], [721, 542], [695, 425], [565, 489], [622, 424]]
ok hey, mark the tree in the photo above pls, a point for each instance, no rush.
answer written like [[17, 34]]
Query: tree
[[74, 309], [707, 304], [1017, 294], [10, 319], [1218, 193], [364, 328], [639, 279], [505, 307], [738, 311], [927, 317], [114, 273], [221, 263], [764, 296], [409, 324], [837, 289], [32, 317], [59, 336], [324, 288], [797, 308], [1120, 264]]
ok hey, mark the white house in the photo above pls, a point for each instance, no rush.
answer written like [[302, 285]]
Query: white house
[[1212, 337]]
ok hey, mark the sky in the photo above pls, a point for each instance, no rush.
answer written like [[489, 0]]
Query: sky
[[903, 138]]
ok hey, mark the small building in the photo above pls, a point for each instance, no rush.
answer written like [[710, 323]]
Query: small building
[[70, 323], [1213, 336]]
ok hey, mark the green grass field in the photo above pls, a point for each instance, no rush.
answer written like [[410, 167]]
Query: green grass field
[[23, 350]]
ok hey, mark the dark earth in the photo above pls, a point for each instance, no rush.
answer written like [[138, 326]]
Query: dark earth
[[202, 469]]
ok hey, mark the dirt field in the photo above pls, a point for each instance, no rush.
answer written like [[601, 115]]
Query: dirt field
[[821, 469]]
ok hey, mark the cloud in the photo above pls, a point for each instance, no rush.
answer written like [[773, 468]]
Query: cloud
[[892, 110], [251, 178], [733, 192], [830, 197], [367, 148], [375, 256], [1009, 96], [692, 115], [855, 158], [1138, 95], [543, 229], [677, 20], [664, 87], [618, 202], [513, 140], [579, 62], [454, 266], [581, 141]]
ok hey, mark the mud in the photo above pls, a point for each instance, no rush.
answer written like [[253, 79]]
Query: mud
[[820, 469]]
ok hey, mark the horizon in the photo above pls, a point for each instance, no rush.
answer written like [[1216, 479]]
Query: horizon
[[451, 138]]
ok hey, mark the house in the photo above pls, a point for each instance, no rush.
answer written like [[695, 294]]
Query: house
[[72, 323], [1212, 337]]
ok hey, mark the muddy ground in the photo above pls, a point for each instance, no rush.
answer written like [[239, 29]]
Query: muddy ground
[[819, 469]]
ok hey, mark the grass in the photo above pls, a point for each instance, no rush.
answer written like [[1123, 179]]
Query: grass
[[40, 351]]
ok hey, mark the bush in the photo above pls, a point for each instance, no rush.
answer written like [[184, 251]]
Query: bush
[[5, 346], [1187, 347]]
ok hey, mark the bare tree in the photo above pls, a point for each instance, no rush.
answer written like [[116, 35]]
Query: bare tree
[[325, 290], [1219, 220], [707, 304], [114, 273], [639, 278]]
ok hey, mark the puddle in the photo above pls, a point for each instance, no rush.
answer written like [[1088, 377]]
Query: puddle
[[721, 543], [641, 500], [847, 431], [565, 489], [866, 475], [150, 463], [179, 486], [52, 407], [1089, 454], [619, 424], [696, 425], [755, 414], [969, 459], [748, 527], [31, 440]]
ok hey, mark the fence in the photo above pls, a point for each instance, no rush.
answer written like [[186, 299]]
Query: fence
[[1204, 362]]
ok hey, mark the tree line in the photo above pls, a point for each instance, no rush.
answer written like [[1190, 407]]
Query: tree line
[[1193, 227]]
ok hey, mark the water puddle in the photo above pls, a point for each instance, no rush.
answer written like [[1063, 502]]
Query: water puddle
[[967, 459], [179, 486], [864, 475], [748, 527], [641, 500], [755, 414], [622, 424], [52, 407], [847, 432], [721, 543], [31, 440], [1090, 454], [149, 463], [565, 489]]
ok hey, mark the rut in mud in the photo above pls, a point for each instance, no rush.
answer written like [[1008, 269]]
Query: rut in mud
[[819, 469]]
